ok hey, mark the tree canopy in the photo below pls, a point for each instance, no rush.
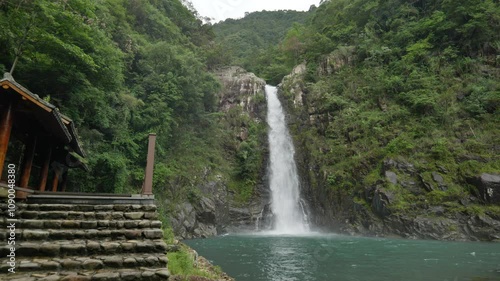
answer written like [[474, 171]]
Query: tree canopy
[[253, 42], [121, 69]]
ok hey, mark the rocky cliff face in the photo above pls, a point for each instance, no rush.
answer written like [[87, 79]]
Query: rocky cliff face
[[241, 89], [405, 199], [245, 92], [221, 205], [425, 219]]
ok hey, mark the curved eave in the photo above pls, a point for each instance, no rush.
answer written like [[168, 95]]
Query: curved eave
[[75, 143], [65, 135]]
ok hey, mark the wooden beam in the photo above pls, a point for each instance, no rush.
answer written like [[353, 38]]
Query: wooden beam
[[5, 129], [29, 155], [44, 173]]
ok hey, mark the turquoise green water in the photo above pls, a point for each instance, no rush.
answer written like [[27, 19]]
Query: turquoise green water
[[342, 258]]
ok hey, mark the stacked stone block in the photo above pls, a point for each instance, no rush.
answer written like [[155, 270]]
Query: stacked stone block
[[85, 242]]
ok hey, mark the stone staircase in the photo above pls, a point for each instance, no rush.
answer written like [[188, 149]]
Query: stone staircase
[[85, 242]]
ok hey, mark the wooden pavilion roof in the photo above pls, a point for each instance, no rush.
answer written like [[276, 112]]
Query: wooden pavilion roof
[[52, 121]]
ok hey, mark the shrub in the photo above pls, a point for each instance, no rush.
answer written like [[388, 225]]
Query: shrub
[[440, 149], [399, 145]]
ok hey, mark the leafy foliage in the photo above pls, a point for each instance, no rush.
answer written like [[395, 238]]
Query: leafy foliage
[[121, 69]]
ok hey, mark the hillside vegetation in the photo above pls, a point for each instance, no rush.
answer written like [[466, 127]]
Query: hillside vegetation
[[255, 42], [395, 84], [394, 107]]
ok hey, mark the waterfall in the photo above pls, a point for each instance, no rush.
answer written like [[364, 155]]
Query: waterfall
[[288, 212], [257, 221]]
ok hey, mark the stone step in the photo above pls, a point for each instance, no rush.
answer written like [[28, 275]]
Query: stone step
[[85, 241], [88, 263], [89, 199], [70, 234], [83, 208], [85, 215], [85, 224], [62, 248], [141, 274]]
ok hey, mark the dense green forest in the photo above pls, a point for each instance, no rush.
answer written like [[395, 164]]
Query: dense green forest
[[414, 81], [122, 69], [257, 41]]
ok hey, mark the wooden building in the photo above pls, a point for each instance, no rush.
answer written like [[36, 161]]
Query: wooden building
[[34, 136]]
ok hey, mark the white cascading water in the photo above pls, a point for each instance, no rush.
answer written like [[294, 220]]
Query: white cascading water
[[288, 212]]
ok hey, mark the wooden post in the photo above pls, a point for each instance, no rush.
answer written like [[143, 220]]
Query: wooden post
[[45, 169], [5, 129], [147, 189], [55, 181], [28, 162], [64, 182]]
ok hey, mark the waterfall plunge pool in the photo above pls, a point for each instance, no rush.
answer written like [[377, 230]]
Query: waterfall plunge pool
[[290, 252], [315, 257]]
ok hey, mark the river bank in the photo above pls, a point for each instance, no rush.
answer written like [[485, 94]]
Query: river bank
[[185, 264]]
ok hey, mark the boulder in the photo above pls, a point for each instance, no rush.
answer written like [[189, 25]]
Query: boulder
[[488, 186], [399, 165], [439, 180], [391, 177], [427, 185]]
